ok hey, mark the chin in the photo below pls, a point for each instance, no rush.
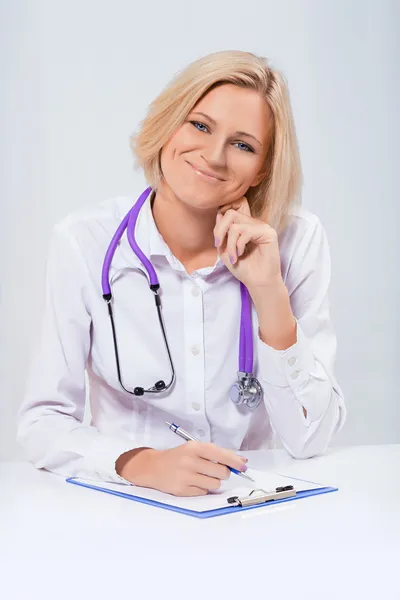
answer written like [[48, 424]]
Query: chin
[[197, 198], [201, 203]]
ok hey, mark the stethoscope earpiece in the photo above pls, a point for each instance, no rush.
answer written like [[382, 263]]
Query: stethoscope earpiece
[[158, 387]]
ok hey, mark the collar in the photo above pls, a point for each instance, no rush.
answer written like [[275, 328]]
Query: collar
[[157, 244], [151, 242], [147, 236]]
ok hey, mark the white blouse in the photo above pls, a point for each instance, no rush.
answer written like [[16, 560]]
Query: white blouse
[[201, 313]]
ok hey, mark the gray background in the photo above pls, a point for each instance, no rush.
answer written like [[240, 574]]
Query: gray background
[[76, 78]]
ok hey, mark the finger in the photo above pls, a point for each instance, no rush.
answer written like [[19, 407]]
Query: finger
[[242, 242], [241, 205], [192, 490], [231, 244], [204, 482], [255, 232], [212, 469], [223, 224], [232, 205], [239, 236], [220, 455]]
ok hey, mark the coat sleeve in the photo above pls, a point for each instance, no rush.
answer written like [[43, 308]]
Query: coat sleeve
[[50, 418], [303, 375]]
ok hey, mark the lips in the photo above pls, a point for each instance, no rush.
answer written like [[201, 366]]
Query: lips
[[208, 175]]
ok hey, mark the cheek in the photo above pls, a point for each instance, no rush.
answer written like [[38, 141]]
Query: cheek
[[167, 157], [176, 145], [245, 168], [181, 141]]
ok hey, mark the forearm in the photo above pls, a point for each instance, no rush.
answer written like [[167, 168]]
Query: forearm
[[302, 437], [297, 347], [63, 445], [277, 324], [302, 398]]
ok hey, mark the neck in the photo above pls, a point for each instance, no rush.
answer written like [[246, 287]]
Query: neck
[[187, 231]]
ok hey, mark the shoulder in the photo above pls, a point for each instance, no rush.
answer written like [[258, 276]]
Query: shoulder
[[300, 220], [303, 243], [88, 231], [95, 221], [79, 241], [302, 226]]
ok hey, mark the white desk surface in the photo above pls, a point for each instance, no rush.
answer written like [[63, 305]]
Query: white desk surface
[[63, 541]]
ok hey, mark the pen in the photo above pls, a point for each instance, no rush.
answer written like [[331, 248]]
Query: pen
[[186, 436]]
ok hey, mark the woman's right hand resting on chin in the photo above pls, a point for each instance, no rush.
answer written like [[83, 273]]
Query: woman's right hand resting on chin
[[187, 470]]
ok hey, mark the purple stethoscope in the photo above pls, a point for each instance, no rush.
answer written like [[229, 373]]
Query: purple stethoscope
[[247, 389]]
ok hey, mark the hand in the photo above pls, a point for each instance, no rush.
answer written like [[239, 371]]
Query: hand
[[191, 469], [247, 246]]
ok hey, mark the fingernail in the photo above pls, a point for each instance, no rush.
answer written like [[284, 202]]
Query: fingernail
[[216, 242], [243, 468], [244, 459], [232, 259]]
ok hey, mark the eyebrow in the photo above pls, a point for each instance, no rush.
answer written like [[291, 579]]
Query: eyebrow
[[237, 132]]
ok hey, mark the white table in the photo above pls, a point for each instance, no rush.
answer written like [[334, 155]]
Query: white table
[[63, 541]]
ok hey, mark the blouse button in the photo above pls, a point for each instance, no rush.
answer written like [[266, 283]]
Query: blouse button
[[295, 374], [292, 361]]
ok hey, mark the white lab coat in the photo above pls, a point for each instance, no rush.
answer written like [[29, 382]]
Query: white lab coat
[[201, 313]]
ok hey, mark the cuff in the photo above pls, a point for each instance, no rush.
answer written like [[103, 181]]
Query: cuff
[[287, 368], [103, 456]]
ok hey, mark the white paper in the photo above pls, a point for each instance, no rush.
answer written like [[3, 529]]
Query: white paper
[[234, 486]]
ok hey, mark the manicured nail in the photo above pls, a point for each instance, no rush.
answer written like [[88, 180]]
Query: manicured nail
[[232, 259], [216, 242], [243, 468], [244, 459]]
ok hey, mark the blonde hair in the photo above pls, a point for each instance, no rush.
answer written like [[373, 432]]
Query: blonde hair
[[279, 192]]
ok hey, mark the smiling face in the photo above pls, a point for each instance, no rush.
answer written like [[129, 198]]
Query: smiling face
[[220, 149]]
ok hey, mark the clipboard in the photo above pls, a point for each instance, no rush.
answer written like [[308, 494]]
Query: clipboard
[[254, 499]]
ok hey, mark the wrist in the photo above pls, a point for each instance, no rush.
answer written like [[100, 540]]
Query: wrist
[[277, 323], [271, 292], [136, 465]]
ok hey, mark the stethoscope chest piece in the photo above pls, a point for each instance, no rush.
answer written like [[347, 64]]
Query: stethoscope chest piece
[[246, 390]]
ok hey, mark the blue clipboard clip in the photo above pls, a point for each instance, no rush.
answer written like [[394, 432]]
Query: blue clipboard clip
[[261, 496]]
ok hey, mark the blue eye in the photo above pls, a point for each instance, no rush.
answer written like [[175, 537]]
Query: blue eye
[[244, 147], [240, 145], [199, 126]]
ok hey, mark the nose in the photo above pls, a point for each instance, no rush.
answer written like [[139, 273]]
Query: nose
[[214, 153]]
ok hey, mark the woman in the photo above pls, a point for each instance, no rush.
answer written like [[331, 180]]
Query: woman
[[223, 231]]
